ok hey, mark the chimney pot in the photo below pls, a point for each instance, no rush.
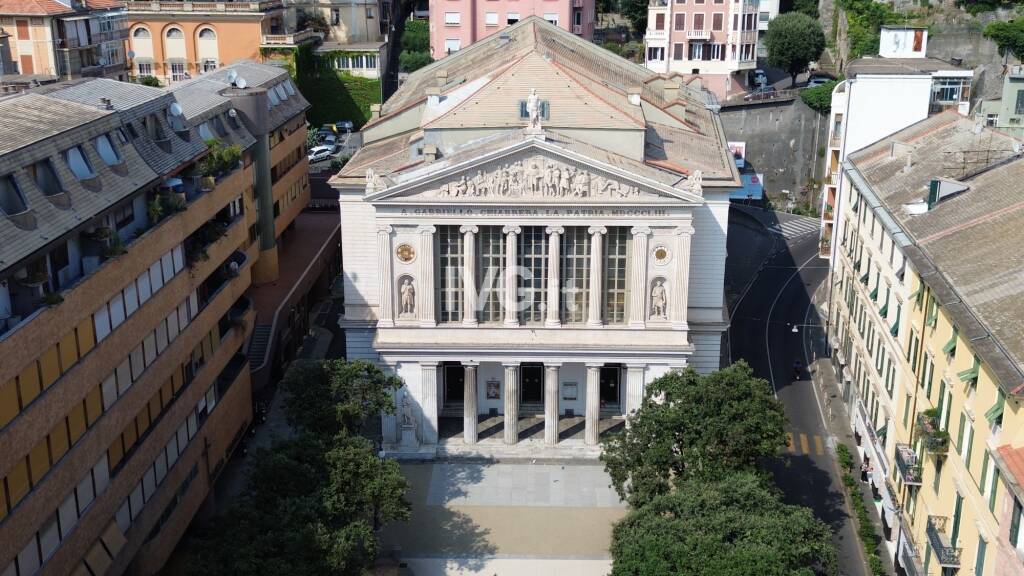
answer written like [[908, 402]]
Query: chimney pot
[[633, 95], [429, 153], [433, 95], [671, 91], [442, 77], [375, 110]]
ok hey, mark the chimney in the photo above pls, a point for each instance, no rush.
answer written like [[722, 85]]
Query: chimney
[[107, 103], [433, 95], [374, 111], [671, 91], [429, 153], [442, 78], [633, 94]]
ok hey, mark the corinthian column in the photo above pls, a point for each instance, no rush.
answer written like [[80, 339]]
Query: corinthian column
[[593, 413], [511, 402], [681, 277], [469, 408], [554, 287], [551, 403], [469, 274], [638, 277], [511, 278], [596, 287], [386, 307], [425, 289]]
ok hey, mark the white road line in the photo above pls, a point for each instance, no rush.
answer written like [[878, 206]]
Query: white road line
[[768, 322], [814, 386]]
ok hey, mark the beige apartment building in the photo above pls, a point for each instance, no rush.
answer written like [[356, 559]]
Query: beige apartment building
[[924, 321], [126, 257]]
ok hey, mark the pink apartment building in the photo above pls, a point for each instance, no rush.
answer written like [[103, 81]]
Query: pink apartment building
[[711, 40], [455, 24]]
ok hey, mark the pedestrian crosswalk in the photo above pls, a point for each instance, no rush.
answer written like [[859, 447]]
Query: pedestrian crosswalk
[[796, 226], [801, 444]]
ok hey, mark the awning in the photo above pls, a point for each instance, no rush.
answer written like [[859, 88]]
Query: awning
[[864, 278], [884, 310], [972, 372], [874, 294], [950, 346], [993, 413], [917, 294]]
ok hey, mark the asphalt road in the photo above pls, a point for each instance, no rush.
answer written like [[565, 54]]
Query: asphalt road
[[761, 333]]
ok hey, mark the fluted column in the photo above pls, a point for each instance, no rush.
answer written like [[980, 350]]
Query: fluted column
[[634, 387], [389, 422], [428, 402], [551, 396], [638, 277], [469, 409], [554, 287], [469, 274], [386, 307], [511, 277], [593, 413], [596, 266], [425, 289], [681, 277], [511, 402]]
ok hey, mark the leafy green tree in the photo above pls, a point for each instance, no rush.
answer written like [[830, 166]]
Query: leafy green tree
[[330, 396], [416, 37], [734, 525], [413, 61], [793, 40], [149, 81], [692, 425], [820, 97], [809, 7], [636, 12], [1008, 36]]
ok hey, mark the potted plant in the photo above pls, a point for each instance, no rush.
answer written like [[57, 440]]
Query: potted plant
[[155, 210], [100, 234], [52, 298], [116, 248]]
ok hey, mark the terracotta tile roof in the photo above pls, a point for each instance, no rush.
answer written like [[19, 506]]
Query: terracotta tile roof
[[1013, 462], [34, 7]]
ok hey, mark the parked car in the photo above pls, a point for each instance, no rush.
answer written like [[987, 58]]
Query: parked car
[[320, 153], [760, 78], [343, 126], [818, 81], [329, 140], [761, 93]]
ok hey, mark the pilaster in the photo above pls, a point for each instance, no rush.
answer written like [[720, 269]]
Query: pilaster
[[386, 306], [425, 290], [428, 402], [681, 277], [634, 387], [638, 277]]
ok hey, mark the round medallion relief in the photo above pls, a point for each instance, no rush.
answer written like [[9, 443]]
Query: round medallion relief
[[405, 253], [661, 255]]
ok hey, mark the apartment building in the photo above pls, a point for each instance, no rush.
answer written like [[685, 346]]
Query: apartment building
[[882, 95], [1006, 112], [455, 24], [133, 222], [713, 41], [66, 38], [924, 323]]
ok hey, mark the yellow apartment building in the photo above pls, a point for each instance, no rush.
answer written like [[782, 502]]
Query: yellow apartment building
[[924, 322], [132, 225]]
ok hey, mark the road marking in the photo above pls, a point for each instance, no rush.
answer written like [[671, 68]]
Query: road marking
[[768, 323], [789, 443], [804, 446], [817, 446]]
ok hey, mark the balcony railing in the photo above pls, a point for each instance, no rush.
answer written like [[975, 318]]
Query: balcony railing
[[834, 140], [657, 3], [833, 178], [698, 34], [906, 461], [656, 34], [949, 557], [936, 440], [175, 6], [577, 29], [293, 39]]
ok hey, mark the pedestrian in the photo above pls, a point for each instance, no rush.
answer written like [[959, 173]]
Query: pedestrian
[[864, 473]]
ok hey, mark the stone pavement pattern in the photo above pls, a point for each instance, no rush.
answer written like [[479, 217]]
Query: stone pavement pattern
[[506, 518]]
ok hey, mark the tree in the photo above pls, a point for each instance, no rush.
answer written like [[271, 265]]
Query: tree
[[793, 40], [1008, 36], [820, 97], [149, 81], [731, 526], [416, 36], [326, 397], [636, 12], [809, 7], [413, 61], [692, 425]]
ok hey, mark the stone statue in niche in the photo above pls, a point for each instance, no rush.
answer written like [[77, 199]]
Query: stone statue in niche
[[533, 109], [659, 301], [408, 419], [408, 298]]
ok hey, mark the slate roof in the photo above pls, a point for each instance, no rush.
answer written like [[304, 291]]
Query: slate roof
[[967, 247]]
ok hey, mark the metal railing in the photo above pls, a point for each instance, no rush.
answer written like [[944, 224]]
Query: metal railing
[[948, 555], [906, 461], [698, 34], [833, 178], [292, 39]]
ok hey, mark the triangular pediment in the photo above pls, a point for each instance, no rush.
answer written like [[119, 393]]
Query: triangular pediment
[[530, 172]]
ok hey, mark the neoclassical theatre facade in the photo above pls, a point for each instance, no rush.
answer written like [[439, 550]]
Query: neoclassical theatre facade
[[525, 263]]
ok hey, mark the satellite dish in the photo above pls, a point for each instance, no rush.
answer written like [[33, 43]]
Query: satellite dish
[[241, 83], [131, 54], [232, 75], [175, 109], [233, 113]]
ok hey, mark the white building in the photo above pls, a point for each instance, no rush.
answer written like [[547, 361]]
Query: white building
[[507, 271], [880, 96]]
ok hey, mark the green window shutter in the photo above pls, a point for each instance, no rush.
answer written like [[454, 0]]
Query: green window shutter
[[942, 397], [992, 492], [950, 347], [895, 329], [954, 533], [1015, 522], [933, 313], [979, 560], [864, 278], [993, 413], [960, 433], [884, 310], [916, 296], [984, 471], [972, 372], [874, 294]]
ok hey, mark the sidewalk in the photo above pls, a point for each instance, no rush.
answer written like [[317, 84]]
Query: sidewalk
[[837, 417]]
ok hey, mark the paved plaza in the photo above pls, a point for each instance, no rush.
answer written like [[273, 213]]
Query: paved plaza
[[506, 518]]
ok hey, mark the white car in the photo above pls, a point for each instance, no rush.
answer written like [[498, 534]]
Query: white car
[[320, 153]]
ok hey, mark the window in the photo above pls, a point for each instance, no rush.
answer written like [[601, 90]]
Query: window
[[1018, 107], [106, 150], [491, 19], [533, 259], [512, 18], [655, 53], [679, 51], [1016, 538], [11, 199], [552, 17], [763, 17], [680, 22], [716, 20], [951, 90], [696, 50], [698, 21], [178, 71], [144, 68], [141, 33], [452, 45], [78, 163], [175, 34], [451, 255], [491, 273], [369, 13], [575, 272], [452, 18], [335, 16], [659, 21], [207, 34], [45, 177], [615, 251], [209, 65]]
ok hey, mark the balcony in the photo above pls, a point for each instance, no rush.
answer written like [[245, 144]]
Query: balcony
[[204, 7], [949, 557], [294, 39], [698, 34], [833, 178], [906, 461], [653, 34], [835, 140], [936, 440], [577, 3], [577, 29], [657, 3]]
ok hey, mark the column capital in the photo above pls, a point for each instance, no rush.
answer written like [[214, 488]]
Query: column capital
[[469, 228], [429, 363], [555, 230], [594, 365], [687, 230], [640, 231], [470, 364], [512, 229], [510, 363], [635, 366], [427, 229], [385, 229], [597, 230], [552, 365]]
